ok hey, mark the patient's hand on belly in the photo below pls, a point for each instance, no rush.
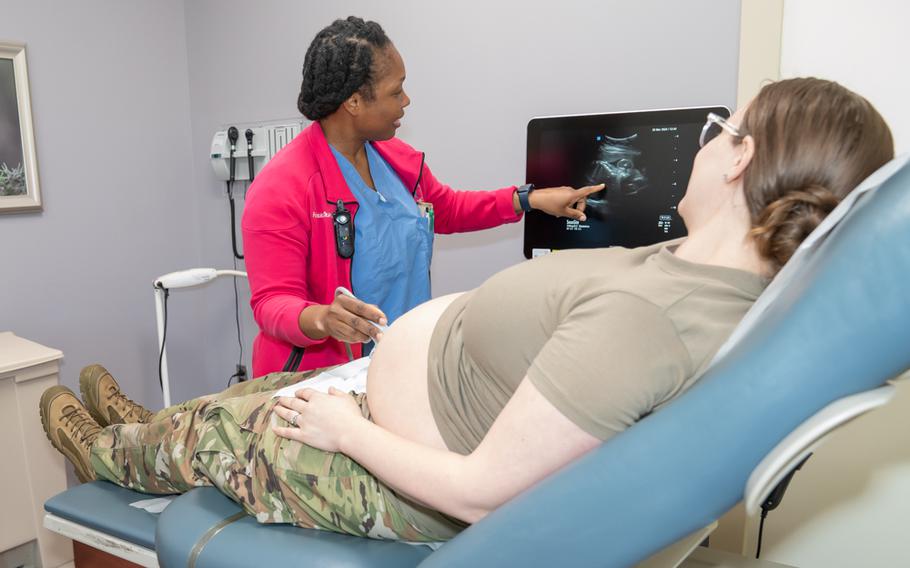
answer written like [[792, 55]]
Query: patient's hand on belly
[[397, 380]]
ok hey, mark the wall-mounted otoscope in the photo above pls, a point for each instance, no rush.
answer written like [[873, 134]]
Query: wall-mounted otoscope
[[233, 134], [249, 153]]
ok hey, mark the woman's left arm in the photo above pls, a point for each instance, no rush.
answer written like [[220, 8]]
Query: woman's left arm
[[529, 440]]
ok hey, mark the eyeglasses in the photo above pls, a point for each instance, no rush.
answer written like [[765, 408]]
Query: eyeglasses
[[713, 127]]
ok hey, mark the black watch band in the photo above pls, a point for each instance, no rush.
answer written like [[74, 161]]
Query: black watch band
[[524, 193]]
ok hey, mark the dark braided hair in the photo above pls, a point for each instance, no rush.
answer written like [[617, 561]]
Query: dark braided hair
[[339, 63]]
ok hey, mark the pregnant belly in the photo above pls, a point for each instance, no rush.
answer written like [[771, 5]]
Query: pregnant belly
[[397, 379]]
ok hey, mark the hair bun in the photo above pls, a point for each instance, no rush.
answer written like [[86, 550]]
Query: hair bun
[[787, 221]]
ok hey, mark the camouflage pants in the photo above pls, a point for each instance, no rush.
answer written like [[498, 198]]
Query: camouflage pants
[[226, 440]]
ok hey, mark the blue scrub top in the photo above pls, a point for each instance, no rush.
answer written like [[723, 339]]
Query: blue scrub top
[[393, 243]]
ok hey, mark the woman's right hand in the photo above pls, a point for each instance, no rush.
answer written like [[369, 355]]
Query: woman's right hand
[[345, 319]]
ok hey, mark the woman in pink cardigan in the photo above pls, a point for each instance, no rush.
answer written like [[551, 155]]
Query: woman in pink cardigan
[[348, 204]]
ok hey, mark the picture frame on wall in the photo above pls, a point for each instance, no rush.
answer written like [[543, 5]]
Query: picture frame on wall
[[19, 188]]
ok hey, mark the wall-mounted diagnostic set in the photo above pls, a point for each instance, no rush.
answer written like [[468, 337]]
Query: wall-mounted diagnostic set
[[240, 151]]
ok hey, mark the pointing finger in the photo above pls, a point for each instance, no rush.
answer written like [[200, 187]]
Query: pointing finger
[[589, 189]]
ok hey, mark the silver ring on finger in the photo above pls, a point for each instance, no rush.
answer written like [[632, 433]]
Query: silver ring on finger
[[293, 420]]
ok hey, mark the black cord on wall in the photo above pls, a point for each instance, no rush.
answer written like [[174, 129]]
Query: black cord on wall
[[230, 194], [163, 341], [240, 371]]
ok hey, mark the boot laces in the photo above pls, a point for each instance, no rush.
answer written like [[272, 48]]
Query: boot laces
[[82, 424], [126, 405]]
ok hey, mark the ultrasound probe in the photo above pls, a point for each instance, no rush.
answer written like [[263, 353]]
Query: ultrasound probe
[[345, 292]]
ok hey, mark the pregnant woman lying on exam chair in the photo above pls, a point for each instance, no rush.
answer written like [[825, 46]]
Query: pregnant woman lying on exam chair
[[470, 399]]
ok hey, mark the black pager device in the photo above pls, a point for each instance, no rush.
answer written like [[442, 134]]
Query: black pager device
[[344, 231]]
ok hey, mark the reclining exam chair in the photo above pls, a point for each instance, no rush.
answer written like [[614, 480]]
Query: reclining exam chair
[[833, 326]]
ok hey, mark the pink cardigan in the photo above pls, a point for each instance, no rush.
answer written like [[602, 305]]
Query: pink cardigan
[[289, 242]]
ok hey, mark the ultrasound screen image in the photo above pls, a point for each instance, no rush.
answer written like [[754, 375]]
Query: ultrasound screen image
[[644, 158]]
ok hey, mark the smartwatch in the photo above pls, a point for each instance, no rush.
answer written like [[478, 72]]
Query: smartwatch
[[524, 193]]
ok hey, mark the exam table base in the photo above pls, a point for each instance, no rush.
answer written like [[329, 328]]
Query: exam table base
[[82, 536]]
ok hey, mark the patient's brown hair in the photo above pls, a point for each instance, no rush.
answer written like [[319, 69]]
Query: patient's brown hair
[[814, 142]]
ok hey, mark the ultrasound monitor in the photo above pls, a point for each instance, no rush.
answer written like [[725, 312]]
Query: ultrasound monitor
[[644, 158]]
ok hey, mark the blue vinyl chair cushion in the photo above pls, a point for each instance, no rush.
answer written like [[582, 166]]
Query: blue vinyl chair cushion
[[245, 542], [105, 507]]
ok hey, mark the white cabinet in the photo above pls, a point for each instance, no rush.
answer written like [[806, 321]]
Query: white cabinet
[[31, 470]]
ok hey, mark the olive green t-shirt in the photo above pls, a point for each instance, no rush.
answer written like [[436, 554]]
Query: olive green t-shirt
[[606, 335]]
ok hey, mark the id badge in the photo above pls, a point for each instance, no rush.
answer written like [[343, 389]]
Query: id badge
[[426, 212]]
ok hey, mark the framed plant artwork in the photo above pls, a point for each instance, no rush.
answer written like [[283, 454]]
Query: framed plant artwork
[[19, 189]]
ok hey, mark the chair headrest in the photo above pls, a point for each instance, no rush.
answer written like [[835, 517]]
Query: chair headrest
[[809, 247]]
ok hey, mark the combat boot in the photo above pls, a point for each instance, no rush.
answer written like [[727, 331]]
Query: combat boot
[[105, 401], [70, 428]]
